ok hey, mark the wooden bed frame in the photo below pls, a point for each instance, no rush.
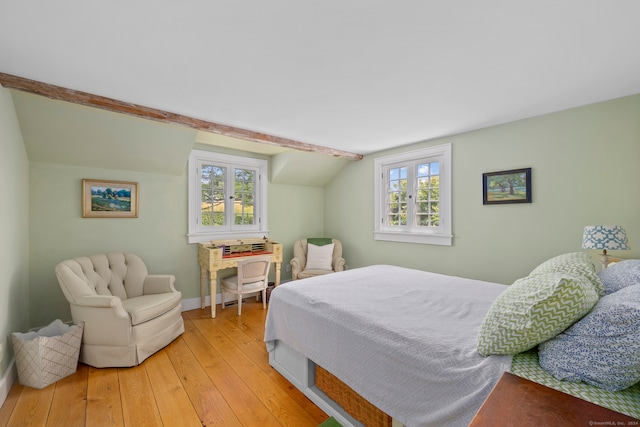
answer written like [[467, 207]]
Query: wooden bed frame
[[302, 373]]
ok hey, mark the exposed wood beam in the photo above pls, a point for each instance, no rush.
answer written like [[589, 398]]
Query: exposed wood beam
[[83, 98]]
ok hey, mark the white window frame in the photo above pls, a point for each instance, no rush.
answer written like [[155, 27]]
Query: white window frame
[[441, 235], [198, 233]]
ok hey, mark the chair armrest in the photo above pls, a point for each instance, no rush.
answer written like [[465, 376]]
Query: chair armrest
[[159, 284], [106, 323], [98, 301], [338, 264], [103, 301], [296, 267]]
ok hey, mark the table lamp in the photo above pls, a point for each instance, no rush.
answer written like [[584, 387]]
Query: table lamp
[[605, 237]]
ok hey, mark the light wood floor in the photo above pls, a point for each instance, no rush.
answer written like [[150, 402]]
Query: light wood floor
[[216, 374]]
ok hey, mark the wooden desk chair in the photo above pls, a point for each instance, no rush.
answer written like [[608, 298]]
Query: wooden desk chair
[[253, 276]]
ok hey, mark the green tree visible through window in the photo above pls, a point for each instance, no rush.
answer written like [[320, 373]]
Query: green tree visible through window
[[413, 196], [397, 207], [228, 196], [214, 207], [244, 197], [427, 195], [213, 186]]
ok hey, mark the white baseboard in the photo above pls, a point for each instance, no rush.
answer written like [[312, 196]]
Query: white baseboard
[[8, 379], [194, 303]]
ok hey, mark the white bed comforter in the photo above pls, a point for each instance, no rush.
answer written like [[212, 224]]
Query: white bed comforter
[[403, 339]]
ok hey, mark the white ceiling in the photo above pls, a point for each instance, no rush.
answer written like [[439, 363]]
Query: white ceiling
[[355, 75]]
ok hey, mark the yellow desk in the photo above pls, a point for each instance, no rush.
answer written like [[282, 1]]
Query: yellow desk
[[220, 254]]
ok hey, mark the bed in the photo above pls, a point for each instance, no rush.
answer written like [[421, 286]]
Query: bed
[[404, 340]]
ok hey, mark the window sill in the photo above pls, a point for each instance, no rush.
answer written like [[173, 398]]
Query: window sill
[[425, 239], [227, 235]]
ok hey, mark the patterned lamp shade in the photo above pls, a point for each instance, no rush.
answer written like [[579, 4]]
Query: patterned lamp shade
[[607, 237]]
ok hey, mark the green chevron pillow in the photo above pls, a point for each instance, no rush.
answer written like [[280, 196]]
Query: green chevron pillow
[[532, 310], [575, 264]]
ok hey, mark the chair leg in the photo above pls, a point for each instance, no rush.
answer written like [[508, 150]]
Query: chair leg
[[264, 298], [213, 299], [239, 304]]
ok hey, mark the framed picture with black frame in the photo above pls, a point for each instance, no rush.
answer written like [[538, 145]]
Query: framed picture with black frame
[[510, 186]]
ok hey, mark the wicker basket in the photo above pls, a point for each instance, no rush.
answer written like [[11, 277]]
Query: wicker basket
[[47, 355], [352, 402]]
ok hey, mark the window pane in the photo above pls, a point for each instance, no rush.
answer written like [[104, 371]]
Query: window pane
[[423, 220], [423, 170], [403, 214], [434, 210], [227, 197], [397, 196], [419, 183], [212, 195], [244, 197], [427, 194]]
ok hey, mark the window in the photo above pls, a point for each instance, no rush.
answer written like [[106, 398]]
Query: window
[[413, 196], [227, 196]]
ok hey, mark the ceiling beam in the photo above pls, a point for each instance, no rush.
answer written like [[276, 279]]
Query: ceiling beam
[[83, 98]]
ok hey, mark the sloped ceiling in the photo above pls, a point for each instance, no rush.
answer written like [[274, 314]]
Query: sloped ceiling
[[69, 134], [355, 75], [308, 169], [64, 133]]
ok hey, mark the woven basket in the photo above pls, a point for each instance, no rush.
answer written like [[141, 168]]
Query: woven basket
[[352, 402], [47, 355]]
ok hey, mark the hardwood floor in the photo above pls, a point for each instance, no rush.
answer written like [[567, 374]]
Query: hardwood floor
[[216, 374]]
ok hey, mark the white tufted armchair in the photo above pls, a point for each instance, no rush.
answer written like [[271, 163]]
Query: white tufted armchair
[[128, 314], [303, 266]]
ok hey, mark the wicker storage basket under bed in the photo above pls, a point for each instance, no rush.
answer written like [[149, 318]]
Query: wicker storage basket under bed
[[350, 401]]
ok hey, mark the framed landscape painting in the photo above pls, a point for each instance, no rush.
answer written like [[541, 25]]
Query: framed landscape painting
[[109, 199], [512, 186]]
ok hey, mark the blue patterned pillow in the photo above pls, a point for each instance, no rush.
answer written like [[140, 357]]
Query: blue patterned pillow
[[601, 349], [620, 275]]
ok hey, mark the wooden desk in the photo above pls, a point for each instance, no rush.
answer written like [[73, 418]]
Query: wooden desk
[[220, 254], [519, 402]]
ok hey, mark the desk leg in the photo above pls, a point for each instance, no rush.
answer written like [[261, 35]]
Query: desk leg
[[203, 287], [278, 264], [213, 281]]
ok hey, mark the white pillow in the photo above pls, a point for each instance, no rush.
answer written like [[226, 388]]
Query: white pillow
[[319, 257]]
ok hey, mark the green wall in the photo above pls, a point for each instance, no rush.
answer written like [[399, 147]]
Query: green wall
[[584, 162], [14, 230], [295, 212], [58, 231], [584, 171], [158, 235]]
